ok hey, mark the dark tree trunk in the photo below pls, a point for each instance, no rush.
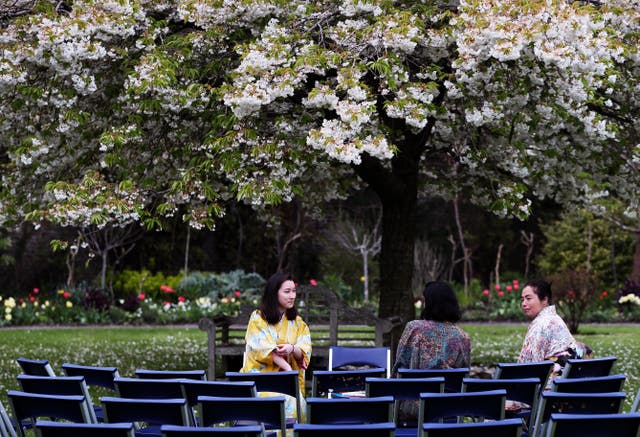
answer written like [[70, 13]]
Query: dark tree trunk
[[397, 189], [635, 273], [396, 256]]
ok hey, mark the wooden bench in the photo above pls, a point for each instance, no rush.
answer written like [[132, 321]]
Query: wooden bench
[[331, 321]]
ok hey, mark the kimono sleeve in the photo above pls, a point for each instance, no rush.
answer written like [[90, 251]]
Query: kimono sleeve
[[260, 339]]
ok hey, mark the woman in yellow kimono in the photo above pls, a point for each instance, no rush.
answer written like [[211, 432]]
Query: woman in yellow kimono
[[277, 338]]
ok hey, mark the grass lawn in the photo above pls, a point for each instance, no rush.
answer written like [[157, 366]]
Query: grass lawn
[[185, 348]]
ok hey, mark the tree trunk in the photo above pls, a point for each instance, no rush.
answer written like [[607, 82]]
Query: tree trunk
[[635, 274], [396, 260]]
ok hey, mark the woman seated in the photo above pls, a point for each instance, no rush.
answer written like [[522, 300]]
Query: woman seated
[[548, 337], [434, 341], [277, 338]]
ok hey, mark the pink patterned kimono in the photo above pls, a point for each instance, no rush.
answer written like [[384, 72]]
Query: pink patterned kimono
[[548, 336]]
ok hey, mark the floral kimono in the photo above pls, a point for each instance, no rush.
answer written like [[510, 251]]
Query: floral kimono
[[261, 339], [548, 338]]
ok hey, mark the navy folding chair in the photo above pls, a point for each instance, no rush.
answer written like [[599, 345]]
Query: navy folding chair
[[326, 382], [588, 368], [94, 376], [350, 410], [452, 377], [171, 374], [340, 356], [574, 403], [592, 425], [58, 385], [268, 412], [285, 383], [523, 394], [233, 431], [191, 389], [35, 367], [361, 430], [150, 412], [31, 406], [498, 428], [596, 384], [402, 390], [538, 369], [440, 407], [7, 428], [68, 429], [136, 388]]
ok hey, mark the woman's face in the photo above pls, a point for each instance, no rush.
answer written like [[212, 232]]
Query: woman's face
[[286, 295], [531, 303]]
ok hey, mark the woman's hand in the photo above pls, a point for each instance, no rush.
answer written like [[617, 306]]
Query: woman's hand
[[284, 350]]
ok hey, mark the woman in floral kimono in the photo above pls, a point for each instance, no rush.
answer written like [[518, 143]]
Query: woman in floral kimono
[[277, 338], [548, 337]]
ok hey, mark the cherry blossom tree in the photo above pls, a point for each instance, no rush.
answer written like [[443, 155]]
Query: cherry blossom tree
[[200, 101]]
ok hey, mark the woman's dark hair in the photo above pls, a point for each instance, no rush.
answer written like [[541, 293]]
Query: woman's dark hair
[[269, 306], [440, 303], [541, 288]]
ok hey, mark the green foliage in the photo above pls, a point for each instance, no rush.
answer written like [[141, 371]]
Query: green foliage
[[346, 292], [133, 282], [567, 243], [220, 285]]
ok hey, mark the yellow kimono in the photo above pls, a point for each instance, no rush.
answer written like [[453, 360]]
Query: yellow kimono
[[261, 339]]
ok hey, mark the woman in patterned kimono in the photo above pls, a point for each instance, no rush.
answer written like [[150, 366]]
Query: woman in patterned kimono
[[277, 338], [434, 341], [548, 337]]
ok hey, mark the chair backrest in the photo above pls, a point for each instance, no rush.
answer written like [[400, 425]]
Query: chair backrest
[[538, 369], [406, 389], [155, 412], [135, 388], [286, 383], [99, 376], [500, 428], [403, 389], [67, 429], [235, 431], [340, 356], [350, 410], [572, 425], [452, 377], [596, 384], [171, 374], [574, 403], [6, 424], [34, 405], [591, 367], [35, 367], [269, 411], [435, 407], [58, 385], [191, 389], [522, 390], [326, 382], [361, 430]]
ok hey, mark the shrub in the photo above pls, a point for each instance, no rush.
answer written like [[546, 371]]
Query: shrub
[[573, 292], [217, 286]]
